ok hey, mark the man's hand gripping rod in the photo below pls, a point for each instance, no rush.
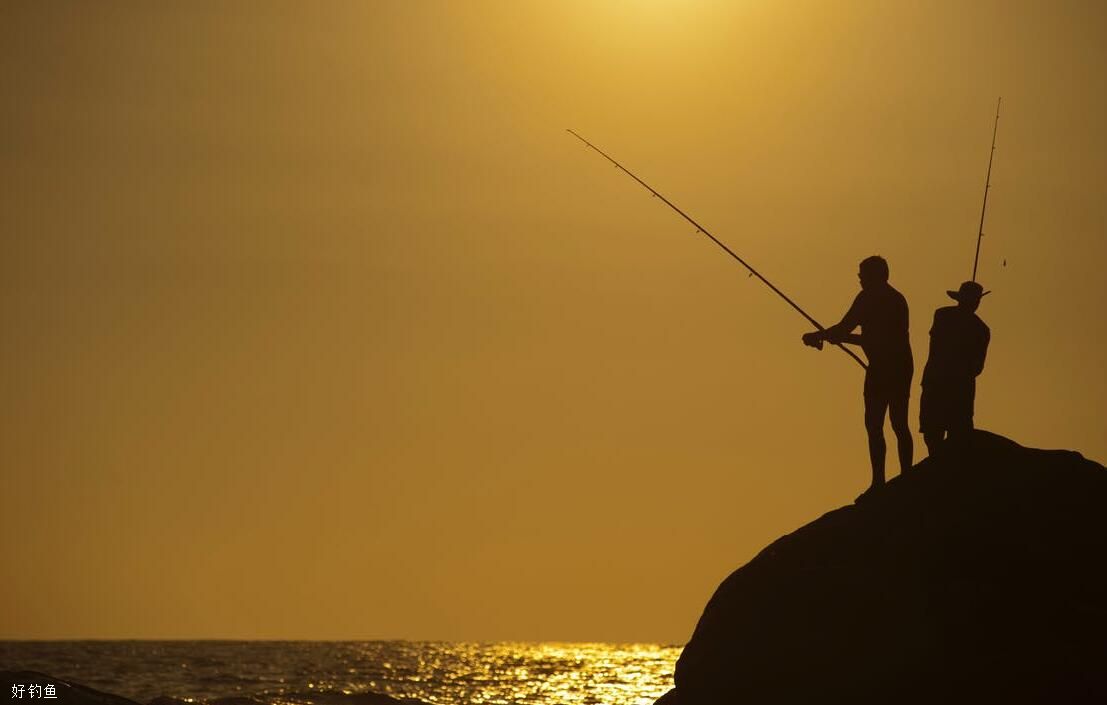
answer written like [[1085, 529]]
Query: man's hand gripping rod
[[701, 229]]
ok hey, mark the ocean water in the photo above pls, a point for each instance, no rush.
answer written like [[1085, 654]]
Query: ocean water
[[334, 673]]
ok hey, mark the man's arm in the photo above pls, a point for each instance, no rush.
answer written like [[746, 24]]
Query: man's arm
[[981, 352], [840, 332]]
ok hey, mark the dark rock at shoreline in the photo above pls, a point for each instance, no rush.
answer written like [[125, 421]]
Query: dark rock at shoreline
[[979, 577]]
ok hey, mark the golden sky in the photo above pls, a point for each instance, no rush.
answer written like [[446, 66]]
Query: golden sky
[[318, 325]]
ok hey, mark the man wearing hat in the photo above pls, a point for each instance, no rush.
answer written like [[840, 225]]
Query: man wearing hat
[[958, 345]]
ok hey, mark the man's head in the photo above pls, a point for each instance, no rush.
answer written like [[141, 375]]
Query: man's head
[[873, 272], [968, 295]]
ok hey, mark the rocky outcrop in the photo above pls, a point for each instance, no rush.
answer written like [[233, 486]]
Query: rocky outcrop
[[978, 577]]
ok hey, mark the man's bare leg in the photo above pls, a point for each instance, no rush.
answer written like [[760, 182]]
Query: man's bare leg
[[897, 413], [933, 440], [874, 426]]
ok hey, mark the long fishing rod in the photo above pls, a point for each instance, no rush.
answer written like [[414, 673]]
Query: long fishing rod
[[701, 229], [987, 187]]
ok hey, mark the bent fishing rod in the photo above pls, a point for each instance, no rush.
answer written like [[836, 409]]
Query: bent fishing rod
[[701, 229], [987, 187]]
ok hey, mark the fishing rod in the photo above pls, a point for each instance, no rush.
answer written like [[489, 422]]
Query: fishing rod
[[987, 187], [701, 229]]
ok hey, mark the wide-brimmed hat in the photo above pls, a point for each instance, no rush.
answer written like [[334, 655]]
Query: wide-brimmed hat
[[969, 291]]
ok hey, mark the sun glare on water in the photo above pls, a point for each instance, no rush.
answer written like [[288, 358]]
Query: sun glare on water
[[546, 674]]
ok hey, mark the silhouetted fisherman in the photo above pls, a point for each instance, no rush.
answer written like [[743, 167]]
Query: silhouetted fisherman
[[881, 311], [958, 346]]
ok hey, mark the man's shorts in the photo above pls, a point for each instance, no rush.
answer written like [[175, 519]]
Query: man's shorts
[[945, 406], [884, 386]]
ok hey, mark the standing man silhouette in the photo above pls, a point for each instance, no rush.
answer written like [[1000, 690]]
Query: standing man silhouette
[[881, 311], [958, 346]]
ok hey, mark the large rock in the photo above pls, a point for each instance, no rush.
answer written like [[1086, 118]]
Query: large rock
[[979, 577]]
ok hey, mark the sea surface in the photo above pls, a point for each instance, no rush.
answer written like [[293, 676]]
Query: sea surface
[[335, 672]]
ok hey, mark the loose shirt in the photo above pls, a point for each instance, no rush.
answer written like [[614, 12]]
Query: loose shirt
[[958, 346]]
